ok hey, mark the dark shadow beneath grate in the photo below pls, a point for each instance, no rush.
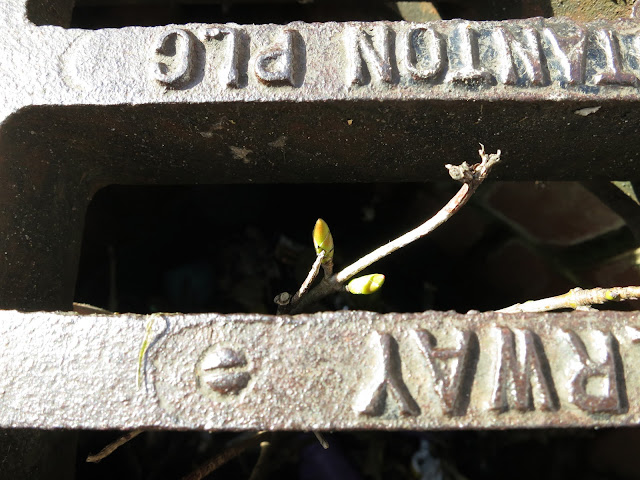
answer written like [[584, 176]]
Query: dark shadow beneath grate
[[114, 16], [233, 248]]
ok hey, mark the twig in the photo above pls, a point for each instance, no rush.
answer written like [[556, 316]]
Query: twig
[[327, 267], [258, 470], [576, 298], [311, 276], [222, 458], [322, 440], [86, 309], [471, 177], [284, 299], [113, 446]]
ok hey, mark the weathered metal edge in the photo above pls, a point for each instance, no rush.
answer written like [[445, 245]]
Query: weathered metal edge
[[326, 371], [553, 59]]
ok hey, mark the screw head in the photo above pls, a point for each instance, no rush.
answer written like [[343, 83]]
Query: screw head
[[222, 369]]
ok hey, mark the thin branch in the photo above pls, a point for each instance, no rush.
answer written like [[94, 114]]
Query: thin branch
[[259, 468], [326, 287], [471, 177], [575, 299], [222, 458], [327, 268], [113, 446], [285, 301], [321, 439], [427, 227], [311, 276], [86, 309]]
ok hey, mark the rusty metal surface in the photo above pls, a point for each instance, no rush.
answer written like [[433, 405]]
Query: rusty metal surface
[[342, 370], [297, 103], [591, 9], [384, 101], [579, 10]]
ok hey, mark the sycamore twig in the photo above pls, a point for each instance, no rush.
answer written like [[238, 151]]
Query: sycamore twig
[[576, 298], [283, 299], [228, 454], [471, 177], [313, 273], [259, 468], [322, 440], [113, 446]]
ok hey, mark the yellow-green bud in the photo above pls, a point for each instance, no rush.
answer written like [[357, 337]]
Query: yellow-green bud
[[322, 240], [366, 284]]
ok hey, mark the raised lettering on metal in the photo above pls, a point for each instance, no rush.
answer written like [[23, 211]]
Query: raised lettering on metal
[[521, 60], [231, 74], [518, 371], [611, 396], [369, 55], [566, 55], [613, 73], [523, 55], [278, 65], [331, 370], [176, 47], [387, 378], [464, 58], [454, 388], [425, 53]]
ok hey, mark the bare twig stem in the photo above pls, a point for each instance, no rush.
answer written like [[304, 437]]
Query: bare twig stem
[[321, 439], [327, 268], [222, 458], [427, 227], [286, 302], [576, 298], [259, 469], [311, 276], [326, 287], [471, 177], [113, 446], [86, 309]]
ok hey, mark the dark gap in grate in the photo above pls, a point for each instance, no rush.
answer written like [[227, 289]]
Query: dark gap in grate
[[232, 248], [247, 13], [97, 14]]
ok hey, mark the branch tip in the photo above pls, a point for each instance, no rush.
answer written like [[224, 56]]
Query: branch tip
[[466, 173], [471, 177], [323, 240], [282, 299]]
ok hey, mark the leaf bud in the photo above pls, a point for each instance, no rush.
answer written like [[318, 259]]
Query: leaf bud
[[322, 240], [366, 284]]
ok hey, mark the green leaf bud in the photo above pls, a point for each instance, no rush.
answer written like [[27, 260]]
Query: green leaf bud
[[366, 284], [322, 240]]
